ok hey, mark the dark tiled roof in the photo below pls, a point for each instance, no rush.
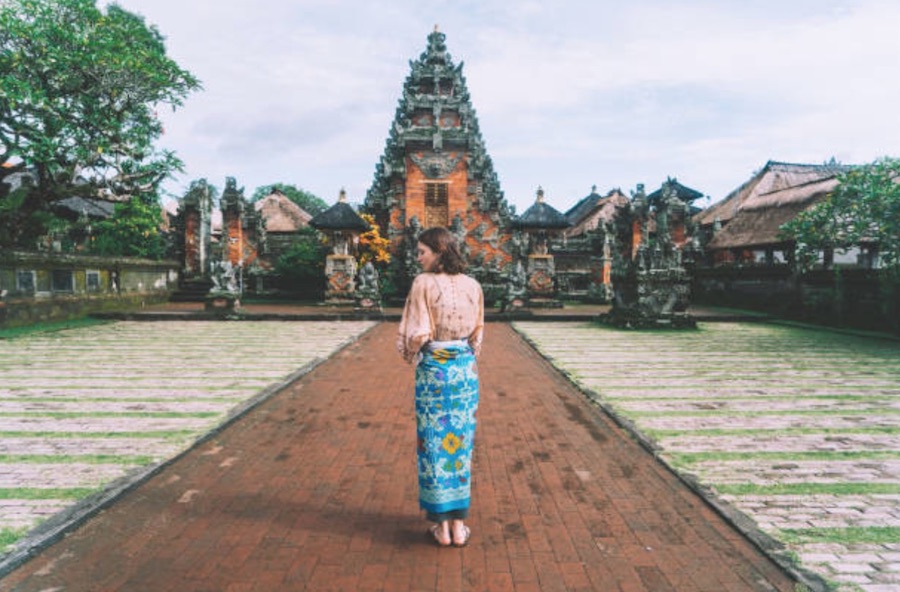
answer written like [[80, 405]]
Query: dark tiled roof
[[97, 209], [541, 215], [584, 206], [685, 194], [340, 216]]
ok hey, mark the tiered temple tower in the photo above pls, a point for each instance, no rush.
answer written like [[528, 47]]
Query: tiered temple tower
[[435, 171]]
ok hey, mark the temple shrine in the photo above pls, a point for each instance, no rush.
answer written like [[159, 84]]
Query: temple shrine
[[435, 171]]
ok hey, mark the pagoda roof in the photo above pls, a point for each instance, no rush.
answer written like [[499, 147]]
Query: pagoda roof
[[682, 192], [541, 215], [584, 206], [340, 216]]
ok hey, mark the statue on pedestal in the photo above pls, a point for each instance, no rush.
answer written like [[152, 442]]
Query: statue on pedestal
[[368, 294]]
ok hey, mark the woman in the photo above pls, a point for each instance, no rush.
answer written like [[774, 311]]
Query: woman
[[441, 330]]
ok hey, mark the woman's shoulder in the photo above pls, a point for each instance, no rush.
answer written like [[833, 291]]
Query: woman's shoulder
[[469, 280], [422, 281]]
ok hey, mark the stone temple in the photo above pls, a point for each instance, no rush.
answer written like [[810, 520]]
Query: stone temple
[[435, 171]]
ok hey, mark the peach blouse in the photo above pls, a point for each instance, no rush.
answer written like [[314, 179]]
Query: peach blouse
[[441, 307]]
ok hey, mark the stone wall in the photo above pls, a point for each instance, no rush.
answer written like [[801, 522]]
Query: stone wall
[[842, 297], [43, 287]]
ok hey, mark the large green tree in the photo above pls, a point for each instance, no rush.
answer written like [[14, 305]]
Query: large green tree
[[306, 200], [79, 92], [864, 208]]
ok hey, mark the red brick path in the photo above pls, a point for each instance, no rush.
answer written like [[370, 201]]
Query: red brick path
[[316, 490]]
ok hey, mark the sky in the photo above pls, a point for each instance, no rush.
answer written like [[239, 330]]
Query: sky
[[568, 94]]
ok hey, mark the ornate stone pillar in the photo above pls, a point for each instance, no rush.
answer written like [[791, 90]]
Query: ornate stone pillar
[[340, 274], [343, 225]]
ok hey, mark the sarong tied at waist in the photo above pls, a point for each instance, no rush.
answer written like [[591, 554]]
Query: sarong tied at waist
[[446, 402], [446, 350]]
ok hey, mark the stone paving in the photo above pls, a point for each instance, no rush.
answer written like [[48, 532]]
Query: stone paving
[[315, 489], [83, 407], [798, 429]]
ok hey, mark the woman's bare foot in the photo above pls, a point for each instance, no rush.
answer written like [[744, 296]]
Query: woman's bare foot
[[441, 534], [461, 533]]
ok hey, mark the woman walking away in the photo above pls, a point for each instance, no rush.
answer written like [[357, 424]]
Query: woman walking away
[[441, 331]]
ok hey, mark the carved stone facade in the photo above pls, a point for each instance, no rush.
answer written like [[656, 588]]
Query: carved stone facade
[[652, 257], [193, 228], [435, 171], [243, 231]]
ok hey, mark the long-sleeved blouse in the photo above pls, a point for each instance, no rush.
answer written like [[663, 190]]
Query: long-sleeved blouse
[[441, 307]]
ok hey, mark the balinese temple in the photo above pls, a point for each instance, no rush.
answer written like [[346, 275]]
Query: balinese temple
[[243, 230], [435, 171], [342, 226], [540, 223]]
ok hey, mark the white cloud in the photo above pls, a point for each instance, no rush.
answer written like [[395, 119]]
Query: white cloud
[[568, 93]]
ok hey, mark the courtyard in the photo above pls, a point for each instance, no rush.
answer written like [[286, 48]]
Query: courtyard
[[789, 432]]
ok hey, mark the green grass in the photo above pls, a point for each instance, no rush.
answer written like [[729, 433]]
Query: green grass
[[38, 493], [874, 409], [166, 435], [690, 458], [739, 489], [76, 414], [8, 536], [877, 535], [17, 332], [660, 434], [89, 459], [172, 401]]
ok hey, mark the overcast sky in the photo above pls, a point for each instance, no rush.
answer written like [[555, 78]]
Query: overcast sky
[[568, 94]]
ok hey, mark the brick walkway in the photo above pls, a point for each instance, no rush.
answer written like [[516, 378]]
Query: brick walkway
[[315, 489]]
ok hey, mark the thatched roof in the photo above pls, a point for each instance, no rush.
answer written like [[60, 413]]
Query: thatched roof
[[758, 222], [281, 214], [541, 215], [773, 177]]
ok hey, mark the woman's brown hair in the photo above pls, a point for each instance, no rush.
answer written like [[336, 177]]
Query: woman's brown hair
[[443, 243]]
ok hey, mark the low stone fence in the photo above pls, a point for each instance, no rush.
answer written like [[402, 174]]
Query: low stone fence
[[40, 287], [856, 298]]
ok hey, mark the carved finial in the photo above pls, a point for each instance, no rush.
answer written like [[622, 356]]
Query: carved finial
[[342, 197], [593, 188], [540, 194], [436, 28]]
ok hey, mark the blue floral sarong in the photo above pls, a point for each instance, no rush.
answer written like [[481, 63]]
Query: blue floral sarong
[[446, 402]]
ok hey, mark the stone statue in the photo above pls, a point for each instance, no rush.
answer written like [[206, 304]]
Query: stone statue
[[459, 233], [368, 279], [224, 278], [516, 288]]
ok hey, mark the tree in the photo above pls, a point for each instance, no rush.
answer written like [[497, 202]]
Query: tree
[[372, 246], [302, 266], [132, 231], [863, 208], [306, 200], [79, 90]]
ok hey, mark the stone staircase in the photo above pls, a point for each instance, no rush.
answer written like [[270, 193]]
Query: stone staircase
[[192, 290]]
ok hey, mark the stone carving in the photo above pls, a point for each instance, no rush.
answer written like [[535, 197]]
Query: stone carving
[[459, 233], [437, 165], [516, 288], [340, 271], [224, 278], [435, 130], [651, 287], [368, 294]]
